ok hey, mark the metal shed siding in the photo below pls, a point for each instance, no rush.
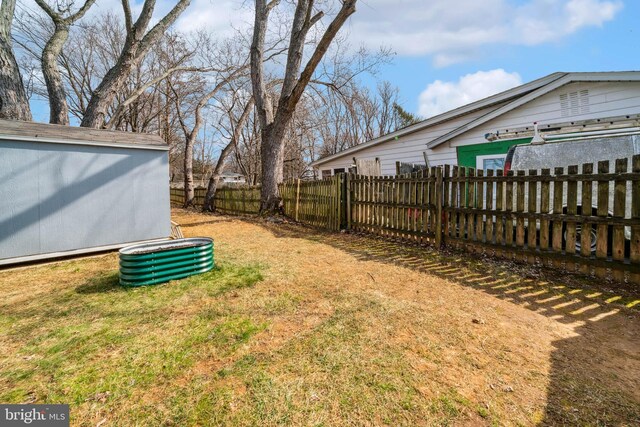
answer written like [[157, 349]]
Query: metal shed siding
[[60, 197]]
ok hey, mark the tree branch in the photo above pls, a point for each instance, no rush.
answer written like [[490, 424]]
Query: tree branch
[[128, 20], [161, 27], [348, 8], [136, 93]]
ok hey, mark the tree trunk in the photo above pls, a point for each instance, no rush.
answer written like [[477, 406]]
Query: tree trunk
[[272, 161], [293, 86], [212, 187], [96, 112], [189, 192], [14, 104], [209, 199], [209, 202], [58, 109]]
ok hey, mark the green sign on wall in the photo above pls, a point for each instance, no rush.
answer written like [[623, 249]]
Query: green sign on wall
[[467, 153]]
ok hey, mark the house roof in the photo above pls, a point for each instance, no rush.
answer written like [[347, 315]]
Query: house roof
[[565, 79], [514, 98], [58, 134]]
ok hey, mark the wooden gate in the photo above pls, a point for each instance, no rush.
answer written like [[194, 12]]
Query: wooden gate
[[317, 203]]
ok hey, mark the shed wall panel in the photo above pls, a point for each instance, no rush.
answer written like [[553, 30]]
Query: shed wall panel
[[58, 197]]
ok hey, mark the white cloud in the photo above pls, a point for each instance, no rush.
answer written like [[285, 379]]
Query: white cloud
[[450, 31], [218, 16], [441, 96], [453, 31]]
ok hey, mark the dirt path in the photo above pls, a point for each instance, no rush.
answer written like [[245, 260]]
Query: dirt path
[[488, 341]]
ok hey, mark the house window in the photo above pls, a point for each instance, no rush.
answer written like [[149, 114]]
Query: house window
[[338, 170], [326, 173], [490, 162]]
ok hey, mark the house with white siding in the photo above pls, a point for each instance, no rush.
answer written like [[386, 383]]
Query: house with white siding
[[479, 134]]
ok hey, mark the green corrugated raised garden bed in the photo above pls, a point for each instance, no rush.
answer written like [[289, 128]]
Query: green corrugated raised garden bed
[[154, 263]]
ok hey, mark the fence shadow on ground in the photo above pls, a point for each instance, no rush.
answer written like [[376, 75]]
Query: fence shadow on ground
[[585, 381]]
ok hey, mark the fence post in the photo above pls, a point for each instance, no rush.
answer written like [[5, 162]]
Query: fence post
[[338, 202], [439, 202], [297, 198], [348, 201], [635, 214]]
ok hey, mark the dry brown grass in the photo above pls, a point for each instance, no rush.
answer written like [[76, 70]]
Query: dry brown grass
[[352, 330]]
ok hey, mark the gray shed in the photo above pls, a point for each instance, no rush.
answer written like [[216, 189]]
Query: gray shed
[[66, 190]]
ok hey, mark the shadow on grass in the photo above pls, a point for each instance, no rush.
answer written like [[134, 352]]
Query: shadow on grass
[[594, 376], [199, 223], [101, 283]]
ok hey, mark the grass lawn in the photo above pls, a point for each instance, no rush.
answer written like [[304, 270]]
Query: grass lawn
[[301, 327]]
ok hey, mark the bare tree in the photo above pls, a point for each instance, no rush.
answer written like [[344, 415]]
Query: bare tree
[[137, 43], [191, 133], [58, 109], [236, 125], [14, 104], [273, 125]]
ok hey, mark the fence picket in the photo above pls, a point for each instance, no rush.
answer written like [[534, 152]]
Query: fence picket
[[509, 208], [520, 186], [603, 211], [454, 203], [572, 209], [634, 256], [445, 198], [532, 223], [619, 205], [479, 205], [585, 212], [544, 208], [472, 204], [499, 209], [556, 236], [489, 206]]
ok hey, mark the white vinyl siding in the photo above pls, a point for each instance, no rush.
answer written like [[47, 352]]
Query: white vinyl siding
[[409, 148], [603, 99]]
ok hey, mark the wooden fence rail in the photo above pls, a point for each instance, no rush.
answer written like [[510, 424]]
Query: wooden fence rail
[[575, 219]]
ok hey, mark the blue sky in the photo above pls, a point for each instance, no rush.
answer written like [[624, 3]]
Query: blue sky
[[451, 52], [612, 46], [483, 47]]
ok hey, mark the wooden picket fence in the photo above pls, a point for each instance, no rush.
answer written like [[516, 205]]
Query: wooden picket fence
[[536, 216], [396, 206], [177, 196], [237, 200], [533, 216], [317, 203]]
